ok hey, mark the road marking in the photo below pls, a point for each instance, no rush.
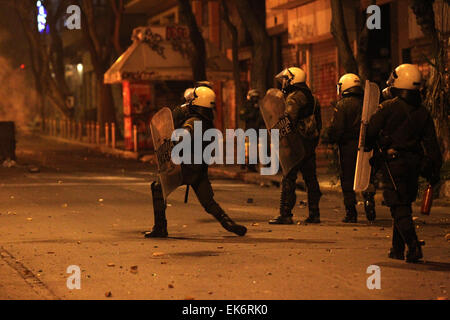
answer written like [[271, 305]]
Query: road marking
[[34, 282]]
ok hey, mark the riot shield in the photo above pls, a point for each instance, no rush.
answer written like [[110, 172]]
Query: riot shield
[[363, 168], [169, 173], [291, 149]]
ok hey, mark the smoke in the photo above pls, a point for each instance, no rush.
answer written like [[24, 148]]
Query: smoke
[[18, 99]]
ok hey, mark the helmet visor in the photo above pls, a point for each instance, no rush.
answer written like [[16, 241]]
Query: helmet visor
[[283, 78], [392, 78]]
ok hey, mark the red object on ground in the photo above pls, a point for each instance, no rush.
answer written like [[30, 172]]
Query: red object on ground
[[427, 201]]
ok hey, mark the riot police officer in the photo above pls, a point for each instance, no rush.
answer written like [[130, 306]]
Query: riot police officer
[[344, 131], [303, 111], [403, 130], [200, 108], [252, 118]]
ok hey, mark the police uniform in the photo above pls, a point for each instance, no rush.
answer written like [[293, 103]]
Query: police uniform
[[195, 175], [301, 104], [402, 128], [344, 131], [252, 118]]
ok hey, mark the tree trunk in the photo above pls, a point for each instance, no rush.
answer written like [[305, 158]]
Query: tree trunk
[[198, 58], [339, 32], [252, 14], [101, 48], [238, 91], [106, 113], [437, 97], [362, 59]]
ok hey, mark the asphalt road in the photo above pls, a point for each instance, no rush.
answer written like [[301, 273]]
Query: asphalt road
[[88, 210]]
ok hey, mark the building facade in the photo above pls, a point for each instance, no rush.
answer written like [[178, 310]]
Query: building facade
[[302, 29]]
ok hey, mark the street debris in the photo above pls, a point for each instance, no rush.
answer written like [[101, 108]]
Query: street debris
[[111, 264], [134, 269], [170, 286], [108, 294], [250, 200], [29, 219], [302, 204], [33, 169], [447, 237], [158, 254]]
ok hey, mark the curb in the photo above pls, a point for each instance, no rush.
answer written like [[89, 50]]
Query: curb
[[98, 147]]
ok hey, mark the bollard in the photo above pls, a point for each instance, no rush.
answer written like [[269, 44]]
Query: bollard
[[88, 131], [135, 142], [80, 131], [113, 135], [97, 133], [106, 134], [91, 126], [93, 131]]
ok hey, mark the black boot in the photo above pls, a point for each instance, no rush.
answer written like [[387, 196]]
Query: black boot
[[226, 222], [398, 245], [351, 216], [314, 215], [282, 219], [414, 253], [287, 202], [369, 206], [406, 227], [159, 208]]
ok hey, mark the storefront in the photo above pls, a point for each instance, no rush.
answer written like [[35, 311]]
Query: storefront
[[154, 72]]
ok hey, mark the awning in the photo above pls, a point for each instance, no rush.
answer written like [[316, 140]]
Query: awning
[[162, 53]]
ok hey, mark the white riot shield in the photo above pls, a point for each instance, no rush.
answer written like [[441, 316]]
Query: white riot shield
[[169, 173], [291, 149], [363, 167]]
